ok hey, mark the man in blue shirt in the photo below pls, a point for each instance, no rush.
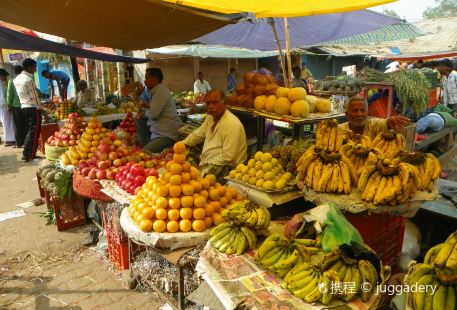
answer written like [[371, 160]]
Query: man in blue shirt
[[231, 80], [62, 79]]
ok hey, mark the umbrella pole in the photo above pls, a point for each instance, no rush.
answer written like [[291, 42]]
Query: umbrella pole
[[289, 61], [281, 59]]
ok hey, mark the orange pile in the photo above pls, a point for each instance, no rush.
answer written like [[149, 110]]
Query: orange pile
[[180, 199]]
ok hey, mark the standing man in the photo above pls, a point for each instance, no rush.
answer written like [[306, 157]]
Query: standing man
[[445, 68], [223, 136], [14, 104], [163, 120], [62, 79], [201, 86], [30, 104], [5, 114], [231, 80]]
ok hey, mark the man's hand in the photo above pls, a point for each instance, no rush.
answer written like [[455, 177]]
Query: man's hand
[[397, 122]]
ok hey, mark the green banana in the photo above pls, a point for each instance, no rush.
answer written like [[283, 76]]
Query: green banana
[[284, 254], [300, 279], [329, 277], [219, 227], [234, 246], [451, 298], [269, 243], [298, 268], [369, 275], [439, 298], [330, 259], [336, 266], [220, 234], [305, 242], [357, 280], [342, 272], [223, 248], [346, 280], [446, 250], [315, 293], [289, 262], [419, 297], [242, 243], [267, 262], [431, 254], [250, 236], [303, 292], [224, 239]]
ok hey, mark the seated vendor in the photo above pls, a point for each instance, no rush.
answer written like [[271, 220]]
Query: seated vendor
[[85, 97], [440, 117], [358, 121], [223, 136], [163, 120]]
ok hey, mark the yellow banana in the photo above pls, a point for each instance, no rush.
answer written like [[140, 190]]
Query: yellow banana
[[370, 189], [331, 140], [339, 139], [379, 196], [446, 250], [431, 254], [287, 263], [317, 172], [302, 293], [369, 275], [251, 238], [296, 283], [309, 173], [325, 177], [352, 171], [252, 220], [229, 243], [315, 294], [307, 158], [439, 298], [451, 298], [242, 243], [420, 296], [356, 279], [345, 176]]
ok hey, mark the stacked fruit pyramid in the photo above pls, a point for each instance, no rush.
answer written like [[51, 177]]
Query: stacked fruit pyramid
[[263, 171], [238, 233], [439, 270], [180, 199], [69, 134]]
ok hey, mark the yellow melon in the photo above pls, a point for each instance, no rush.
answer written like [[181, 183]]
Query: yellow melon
[[296, 93], [299, 108], [312, 100], [259, 102], [270, 104], [282, 106], [282, 92], [323, 105]]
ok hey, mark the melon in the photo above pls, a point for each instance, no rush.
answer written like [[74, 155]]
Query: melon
[[259, 102], [282, 92], [323, 105], [296, 93], [282, 106], [299, 108], [312, 100], [270, 104]]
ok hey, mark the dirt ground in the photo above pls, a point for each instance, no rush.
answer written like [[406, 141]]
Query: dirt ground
[[41, 268]]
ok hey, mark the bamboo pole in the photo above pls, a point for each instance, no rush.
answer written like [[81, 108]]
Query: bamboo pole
[[289, 60], [281, 59]]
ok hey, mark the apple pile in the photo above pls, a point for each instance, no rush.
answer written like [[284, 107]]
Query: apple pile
[[128, 124], [132, 176], [70, 133]]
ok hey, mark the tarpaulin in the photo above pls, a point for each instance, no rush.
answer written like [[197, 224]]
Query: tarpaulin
[[205, 51], [10, 39], [304, 31], [121, 24]]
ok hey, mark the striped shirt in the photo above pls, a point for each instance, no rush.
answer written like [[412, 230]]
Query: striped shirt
[[26, 90], [450, 89]]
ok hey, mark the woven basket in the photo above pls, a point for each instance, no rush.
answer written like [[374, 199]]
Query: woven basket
[[89, 188]]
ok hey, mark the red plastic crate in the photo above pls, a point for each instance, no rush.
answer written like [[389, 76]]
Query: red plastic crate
[[378, 108], [433, 98], [46, 131], [113, 227], [381, 232], [70, 212], [118, 252]]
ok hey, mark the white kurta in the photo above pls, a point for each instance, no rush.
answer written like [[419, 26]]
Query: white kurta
[[6, 116]]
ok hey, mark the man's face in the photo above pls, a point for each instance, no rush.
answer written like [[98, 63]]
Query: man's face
[[444, 70], [357, 113], [419, 65], [200, 76], [150, 81], [32, 70], [214, 104]]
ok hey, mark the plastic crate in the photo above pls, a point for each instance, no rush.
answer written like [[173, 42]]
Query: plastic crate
[[381, 232], [69, 212], [118, 252], [46, 131], [433, 98], [378, 108], [113, 227]]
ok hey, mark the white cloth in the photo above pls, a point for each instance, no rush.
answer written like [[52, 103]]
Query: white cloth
[[450, 89], [201, 87], [6, 117], [85, 98], [26, 90], [225, 145]]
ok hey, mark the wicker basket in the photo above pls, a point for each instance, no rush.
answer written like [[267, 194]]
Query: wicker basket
[[89, 188]]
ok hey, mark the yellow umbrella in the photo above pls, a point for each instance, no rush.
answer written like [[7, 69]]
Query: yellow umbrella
[[280, 8]]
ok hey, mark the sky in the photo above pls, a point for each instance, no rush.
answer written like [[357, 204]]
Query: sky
[[409, 9]]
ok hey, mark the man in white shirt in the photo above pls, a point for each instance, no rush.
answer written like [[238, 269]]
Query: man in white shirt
[[445, 67], [223, 136], [6, 116], [30, 104], [85, 98], [201, 86]]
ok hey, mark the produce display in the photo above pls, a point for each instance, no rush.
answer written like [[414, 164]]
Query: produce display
[[389, 143], [262, 171], [103, 109], [439, 270], [289, 155], [128, 124], [428, 165], [70, 133], [341, 84], [255, 84], [132, 176], [231, 238], [188, 99], [66, 108], [180, 199], [127, 107], [245, 213], [56, 181]]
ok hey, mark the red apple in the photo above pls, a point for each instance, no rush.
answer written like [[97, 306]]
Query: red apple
[[85, 171], [117, 163], [103, 147], [101, 174], [110, 175], [109, 162], [92, 174], [112, 156], [102, 155], [102, 165]]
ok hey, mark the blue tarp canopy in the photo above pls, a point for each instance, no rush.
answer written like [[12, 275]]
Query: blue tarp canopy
[[304, 31], [10, 39]]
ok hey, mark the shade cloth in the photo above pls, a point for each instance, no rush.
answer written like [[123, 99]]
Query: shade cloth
[[213, 51]]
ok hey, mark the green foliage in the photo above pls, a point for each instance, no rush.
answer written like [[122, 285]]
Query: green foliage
[[444, 8], [391, 13], [55, 59]]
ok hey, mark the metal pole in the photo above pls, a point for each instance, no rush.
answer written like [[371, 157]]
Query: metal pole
[[289, 60]]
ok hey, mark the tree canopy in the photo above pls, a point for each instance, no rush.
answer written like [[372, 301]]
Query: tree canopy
[[391, 13], [444, 8]]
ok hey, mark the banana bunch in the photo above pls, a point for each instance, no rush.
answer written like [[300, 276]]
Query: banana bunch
[[329, 137], [329, 172], [428, 165], [278, 256], [389, 143], [245, 213], [358, 154], [230, 238], [356, 139], [444, 258], [385, 181], [444, 295]]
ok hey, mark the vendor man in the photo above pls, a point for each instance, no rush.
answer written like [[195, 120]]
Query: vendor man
[[223, 136], [85, 97], [358, 121], [62, 79]]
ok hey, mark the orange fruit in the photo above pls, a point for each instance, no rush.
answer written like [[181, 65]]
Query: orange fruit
[[211, 178], [169, 163], [198, 225], [186, 166], [172, 226], [217, 219], [194, 173], [186, 213], [174, 203], [146, 225], [239, 197], [222, 190], [232, 191], [223, 201], [135, 214], [209, 209], [199, 202], [175, 179], [204, 193], [228, 196], [173, 214], [179, 158], [208, 221], [175, 191], [187, 189], [197, 186], [179, 147], [185, 225], [148, 213], [214, 194], [132, 209], [141, 206], [161, 214], [175, 168], [150, 181], [139, 218], [205, 183], [185, 177], [187, 201], [216, 206], [199, 213], [166, 176], [162, 191], [159, 226], [162, 202]]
